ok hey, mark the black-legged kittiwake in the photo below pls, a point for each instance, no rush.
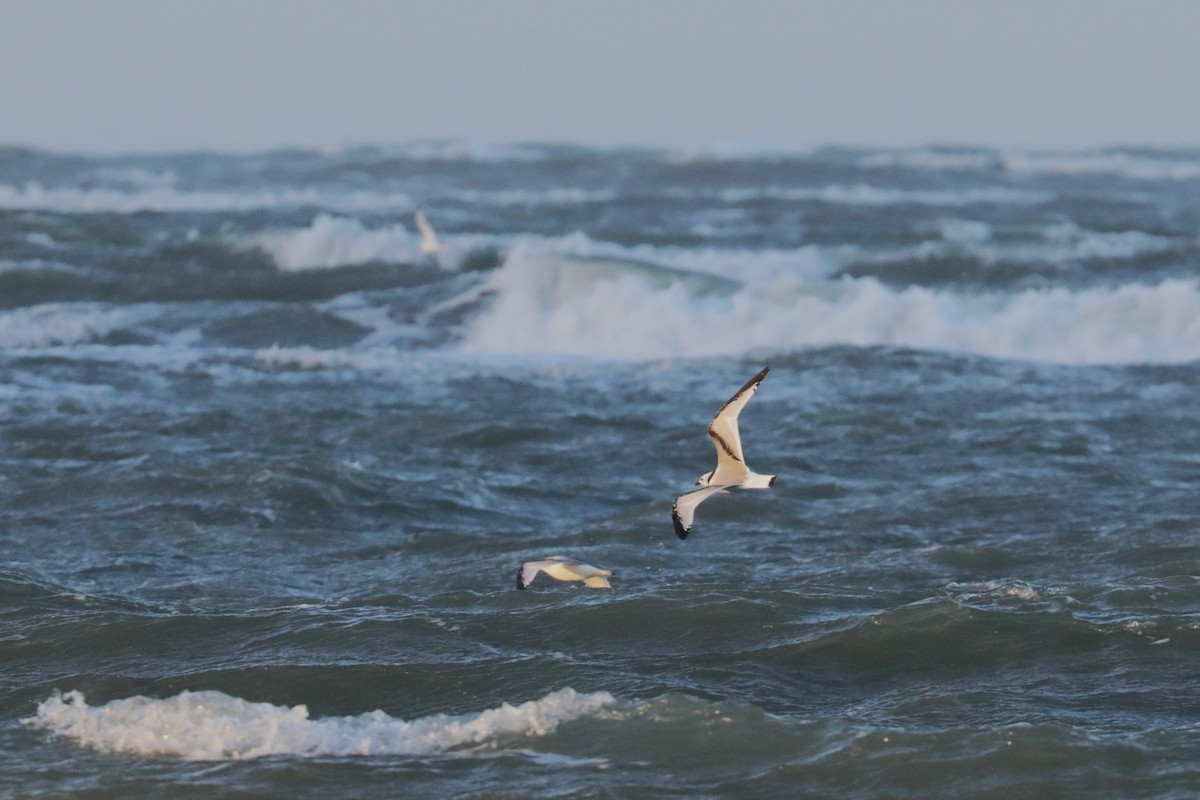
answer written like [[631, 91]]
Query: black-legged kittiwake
[[564, 569], [430, 244], [731, 471]]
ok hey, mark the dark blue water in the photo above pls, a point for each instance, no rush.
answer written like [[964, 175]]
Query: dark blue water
[[267, 473]]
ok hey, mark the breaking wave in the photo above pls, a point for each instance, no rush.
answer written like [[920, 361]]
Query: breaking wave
[[332, 241], [59, 324], [210, 725], [555, 303]]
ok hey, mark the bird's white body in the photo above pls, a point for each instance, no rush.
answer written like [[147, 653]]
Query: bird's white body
[[731, 471], [430, 244], [564, 569]]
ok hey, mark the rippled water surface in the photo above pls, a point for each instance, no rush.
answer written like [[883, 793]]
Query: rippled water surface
[[267, 473]]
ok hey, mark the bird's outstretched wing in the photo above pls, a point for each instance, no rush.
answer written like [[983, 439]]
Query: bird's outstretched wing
[[684, 509], [528, 572], [429, 240], [731, 464]]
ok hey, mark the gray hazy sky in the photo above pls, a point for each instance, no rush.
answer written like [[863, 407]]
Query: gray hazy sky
[[157, 75]]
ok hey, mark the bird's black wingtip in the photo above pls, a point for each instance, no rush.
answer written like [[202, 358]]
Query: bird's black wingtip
[[750, 384], [680, 531], [520, 579]]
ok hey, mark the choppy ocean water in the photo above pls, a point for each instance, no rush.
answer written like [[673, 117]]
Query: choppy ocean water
[[267, 472]]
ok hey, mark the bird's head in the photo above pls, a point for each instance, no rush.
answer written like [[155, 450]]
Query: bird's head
[[705, 479]]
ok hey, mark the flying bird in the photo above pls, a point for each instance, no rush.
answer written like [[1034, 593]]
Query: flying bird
[[564, 569], [731, 471], [430, 244]]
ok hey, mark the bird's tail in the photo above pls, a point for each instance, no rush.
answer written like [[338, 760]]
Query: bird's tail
[[756, 481]]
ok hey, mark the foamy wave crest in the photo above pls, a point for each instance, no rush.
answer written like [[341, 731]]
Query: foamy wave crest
[[332, 241], [210, 726], [136, 177], [373, 359], [483, 152], [1059, 243], [58, 324], [562, 196], [1076, 242], [933, 159], [74, 200], [1007, 589], [1124, 165], [547, 304], [1162, 167], [866, 195]]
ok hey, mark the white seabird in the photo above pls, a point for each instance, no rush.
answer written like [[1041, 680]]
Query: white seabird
[[731, 471], [564, 569], [430, 244]]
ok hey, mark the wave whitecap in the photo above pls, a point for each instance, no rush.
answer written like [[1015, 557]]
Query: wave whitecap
[[548, 303], [210, 725], [1109, 163], [34, 196], [332, 241], [862, 194], [60, 324]]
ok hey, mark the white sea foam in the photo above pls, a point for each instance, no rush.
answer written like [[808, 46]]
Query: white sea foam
[[361, 359], [1086, 244], [573, 296], [547, 303], [936, 160], [136, 177], [168, 198], [1162, 167], [1123, 165], [59, 324], [1057, 244], [1008, 589], [484, 152], [867, 195], [965, 231], [560, 196], [808, 263], [209, 725], [332, 241]]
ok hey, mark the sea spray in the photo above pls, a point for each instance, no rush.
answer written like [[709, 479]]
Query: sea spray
[[548, 304], [211, 725]]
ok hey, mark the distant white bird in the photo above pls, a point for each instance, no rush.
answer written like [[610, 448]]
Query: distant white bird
[[731, 471], [564, 569], [430, 245]]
